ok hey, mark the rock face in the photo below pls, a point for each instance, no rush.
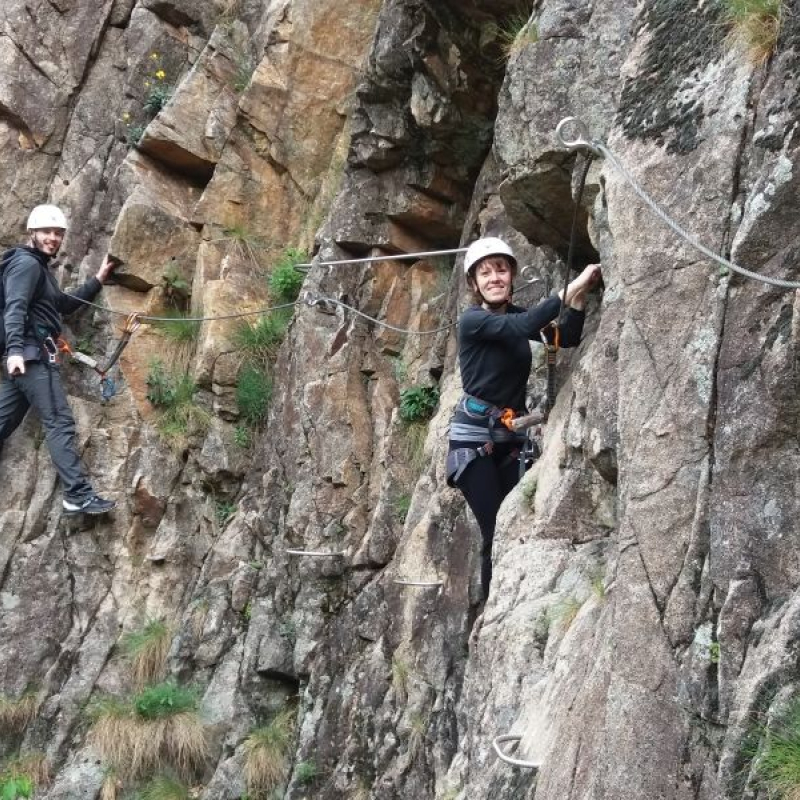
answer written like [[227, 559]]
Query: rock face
[[283, 534]]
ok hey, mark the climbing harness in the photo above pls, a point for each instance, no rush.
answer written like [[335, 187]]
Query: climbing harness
[[500, 424], [516, 762], [583, 141]]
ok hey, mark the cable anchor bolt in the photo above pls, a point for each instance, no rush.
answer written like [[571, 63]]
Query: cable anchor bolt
[[582, 140]]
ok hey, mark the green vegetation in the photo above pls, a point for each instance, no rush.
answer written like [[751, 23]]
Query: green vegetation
[[400, 675], [755, 25], [155, 730], [597, 580], [288, 630], [164, 699], [133, 134], [565, 611], [147, 650], [266, 750], [164, 787], [779, 763], [414, 435], [178, 327], [23, 775], [418, 403], [253, 393], [242, 437], [174, 394], [243, 243], [516, 30], [260, 340], [418, 729], [244, 72], [528, 488], [157, 95], [13, 787], [157, 98], [714, 656], [223, 511], [306, 772], [401, 505], [16, 713], [285, 280]]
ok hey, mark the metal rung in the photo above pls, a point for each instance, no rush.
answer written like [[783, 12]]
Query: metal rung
[[517, 762], [409, 582], [317, 553]]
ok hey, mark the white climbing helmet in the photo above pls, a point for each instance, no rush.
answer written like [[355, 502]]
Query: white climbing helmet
[[488, 246], [47, 216]]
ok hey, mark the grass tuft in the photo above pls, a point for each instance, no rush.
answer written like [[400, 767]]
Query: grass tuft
[[400, 674], [306, 772], [754, 25], [164, 787], [22, 776], [173, 394], [261, 340], [515, 31], [266, 749], [147, 650], [285, 280], [414, 435], [779, 764], [565, 611], [253, 393], [15, 714], [179, 328], [157, 729]]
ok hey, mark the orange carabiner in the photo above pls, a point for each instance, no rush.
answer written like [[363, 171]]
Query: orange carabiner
[[507, 418]]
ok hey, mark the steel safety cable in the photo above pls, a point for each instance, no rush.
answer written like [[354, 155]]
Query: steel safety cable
[[598, 147]]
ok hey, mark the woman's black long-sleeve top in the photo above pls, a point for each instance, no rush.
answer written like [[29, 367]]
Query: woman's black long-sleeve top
[[494, 354]]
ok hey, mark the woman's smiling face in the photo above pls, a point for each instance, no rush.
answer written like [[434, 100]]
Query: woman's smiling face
[[493, 276]]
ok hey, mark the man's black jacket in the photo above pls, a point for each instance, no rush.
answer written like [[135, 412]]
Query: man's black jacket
[[29, 316]]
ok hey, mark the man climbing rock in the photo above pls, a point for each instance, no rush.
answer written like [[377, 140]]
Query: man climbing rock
[[32, 305]]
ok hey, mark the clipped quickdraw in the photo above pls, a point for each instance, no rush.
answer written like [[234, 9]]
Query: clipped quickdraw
[[107, 383], [551, 348]]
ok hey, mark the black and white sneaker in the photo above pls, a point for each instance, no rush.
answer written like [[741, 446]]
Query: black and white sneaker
[[94, 504]]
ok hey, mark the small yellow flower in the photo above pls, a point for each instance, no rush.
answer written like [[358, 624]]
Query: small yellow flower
[[146, 83], [126, 116], [154, 56], [161, 74]]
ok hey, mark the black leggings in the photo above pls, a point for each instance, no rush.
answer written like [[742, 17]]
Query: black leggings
[[484, 484]]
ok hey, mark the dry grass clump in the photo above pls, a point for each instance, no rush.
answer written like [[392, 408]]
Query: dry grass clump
[[159, 729], [33, 766], [266, 751], [147, 650], [755, 26], [15, 714]]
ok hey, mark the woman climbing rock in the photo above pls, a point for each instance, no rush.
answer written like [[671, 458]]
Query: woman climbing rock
[[495, 361]]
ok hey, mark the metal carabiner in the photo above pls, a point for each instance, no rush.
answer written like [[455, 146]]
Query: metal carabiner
[[582, 140]]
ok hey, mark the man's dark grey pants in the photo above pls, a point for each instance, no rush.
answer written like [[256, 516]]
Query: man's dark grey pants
[[41, 388]]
